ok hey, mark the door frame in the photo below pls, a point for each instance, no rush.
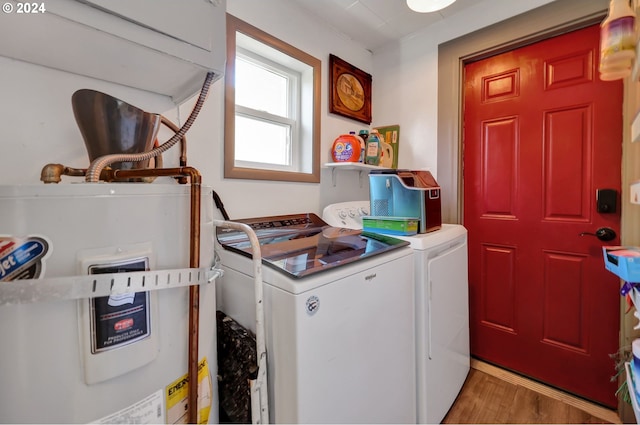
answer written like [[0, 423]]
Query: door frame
[[544, 22]]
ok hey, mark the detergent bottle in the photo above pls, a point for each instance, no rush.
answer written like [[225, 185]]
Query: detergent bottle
[[372, 156], [364, 135], [362, 145], [386, 154], [617, 41], [346, 148]]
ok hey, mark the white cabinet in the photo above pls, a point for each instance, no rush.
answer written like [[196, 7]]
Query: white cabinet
[[162, 46], [190, 21]]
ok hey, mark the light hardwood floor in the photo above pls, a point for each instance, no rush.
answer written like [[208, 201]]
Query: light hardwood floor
[[496, 396]]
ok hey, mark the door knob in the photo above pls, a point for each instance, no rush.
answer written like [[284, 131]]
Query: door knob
[[603, 233]]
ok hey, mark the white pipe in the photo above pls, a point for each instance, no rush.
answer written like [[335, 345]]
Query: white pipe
[[259, 390]]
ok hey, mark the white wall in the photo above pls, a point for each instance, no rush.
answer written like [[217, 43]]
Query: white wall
[[285, 21], [39, 127], [406, 78]]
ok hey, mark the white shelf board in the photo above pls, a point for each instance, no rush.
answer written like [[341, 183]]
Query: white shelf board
[[354, 166]]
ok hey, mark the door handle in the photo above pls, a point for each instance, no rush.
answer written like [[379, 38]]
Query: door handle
[[604, 234]]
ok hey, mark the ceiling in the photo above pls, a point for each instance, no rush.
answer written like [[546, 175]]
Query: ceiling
[[374, 23]]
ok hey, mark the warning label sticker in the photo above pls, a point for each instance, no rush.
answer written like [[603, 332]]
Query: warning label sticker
[[177, 394], [147, 411], [22, 258]]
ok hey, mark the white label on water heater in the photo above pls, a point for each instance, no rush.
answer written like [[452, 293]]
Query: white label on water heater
[[150, 410], [117, 333]]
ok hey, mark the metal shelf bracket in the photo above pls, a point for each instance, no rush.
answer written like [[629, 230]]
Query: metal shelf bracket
[[98, 285]]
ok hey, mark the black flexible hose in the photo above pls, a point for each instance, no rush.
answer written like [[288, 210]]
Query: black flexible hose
[[220, 205]]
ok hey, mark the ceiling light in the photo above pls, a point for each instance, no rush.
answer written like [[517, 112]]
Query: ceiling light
[[425, 6]]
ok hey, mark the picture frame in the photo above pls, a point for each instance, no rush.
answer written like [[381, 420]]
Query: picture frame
[[350, 90]]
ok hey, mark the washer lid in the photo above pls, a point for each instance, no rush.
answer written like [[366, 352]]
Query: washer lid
[[303, 244]]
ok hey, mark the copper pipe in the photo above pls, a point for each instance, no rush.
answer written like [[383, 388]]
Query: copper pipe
[[194, 293], [183, 142], [194, 262], [52, 173], [183, 145]]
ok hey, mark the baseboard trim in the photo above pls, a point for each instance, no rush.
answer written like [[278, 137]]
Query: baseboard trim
[[513, 378]]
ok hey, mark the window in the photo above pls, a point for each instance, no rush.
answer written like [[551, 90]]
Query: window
[[272, 113]]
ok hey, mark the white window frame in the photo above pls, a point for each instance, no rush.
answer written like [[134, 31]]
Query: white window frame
[[291, 121]]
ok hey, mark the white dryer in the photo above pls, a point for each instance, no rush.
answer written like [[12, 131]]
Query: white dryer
[[339, 319], [442, 309]]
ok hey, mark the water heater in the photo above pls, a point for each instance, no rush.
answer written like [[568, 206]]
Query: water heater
[[68, 357]]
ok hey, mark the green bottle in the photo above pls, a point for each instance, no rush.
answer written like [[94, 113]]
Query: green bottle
[[372, 156]]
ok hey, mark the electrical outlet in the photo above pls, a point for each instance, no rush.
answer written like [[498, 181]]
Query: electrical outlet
[[635, 128], [635, 193]]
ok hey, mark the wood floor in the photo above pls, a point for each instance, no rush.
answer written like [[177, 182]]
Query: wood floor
[[493, 395]]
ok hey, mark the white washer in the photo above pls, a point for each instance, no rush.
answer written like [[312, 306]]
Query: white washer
[[340, 342], [442, 309]]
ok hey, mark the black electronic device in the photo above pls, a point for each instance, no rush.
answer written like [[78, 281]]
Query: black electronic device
[[606, 201]]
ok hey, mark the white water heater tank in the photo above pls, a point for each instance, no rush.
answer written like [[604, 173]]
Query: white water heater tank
[[118, 358]]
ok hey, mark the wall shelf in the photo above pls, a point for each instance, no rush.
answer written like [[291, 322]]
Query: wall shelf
[[135, 44], [352, 166]]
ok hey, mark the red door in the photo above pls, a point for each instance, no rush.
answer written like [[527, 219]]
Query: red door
[[541, 134]]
